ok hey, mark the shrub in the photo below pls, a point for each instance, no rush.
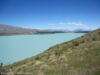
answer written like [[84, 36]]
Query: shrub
[[94, 39], [37, 58], [75, 43], [57, 53]]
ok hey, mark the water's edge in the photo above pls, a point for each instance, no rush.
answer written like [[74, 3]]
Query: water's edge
[[19, 47]]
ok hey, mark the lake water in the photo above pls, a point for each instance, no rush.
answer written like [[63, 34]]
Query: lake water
[[18, 47]]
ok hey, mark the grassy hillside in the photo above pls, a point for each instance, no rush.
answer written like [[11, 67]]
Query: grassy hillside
[[77, 57]]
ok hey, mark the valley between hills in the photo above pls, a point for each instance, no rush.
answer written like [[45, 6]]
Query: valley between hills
[[80, 56]]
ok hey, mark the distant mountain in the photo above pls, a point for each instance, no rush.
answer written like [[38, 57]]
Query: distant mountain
[[77, 57], [82, 30], [12, 30]]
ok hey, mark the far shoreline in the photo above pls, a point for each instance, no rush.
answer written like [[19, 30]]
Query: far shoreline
[[38, 34]]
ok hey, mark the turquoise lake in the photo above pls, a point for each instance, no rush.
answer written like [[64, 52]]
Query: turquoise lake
[[19, 47]]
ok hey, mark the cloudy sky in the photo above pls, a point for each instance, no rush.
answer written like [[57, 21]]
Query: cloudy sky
[[51, 14]]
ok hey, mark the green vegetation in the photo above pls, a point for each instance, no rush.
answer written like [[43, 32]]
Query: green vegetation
[[2, 69], [77, 57]]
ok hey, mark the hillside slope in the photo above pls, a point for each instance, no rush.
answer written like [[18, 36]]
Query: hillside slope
[[77, 57]]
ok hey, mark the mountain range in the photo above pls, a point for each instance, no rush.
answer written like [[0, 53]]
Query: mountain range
[[13, 30]]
